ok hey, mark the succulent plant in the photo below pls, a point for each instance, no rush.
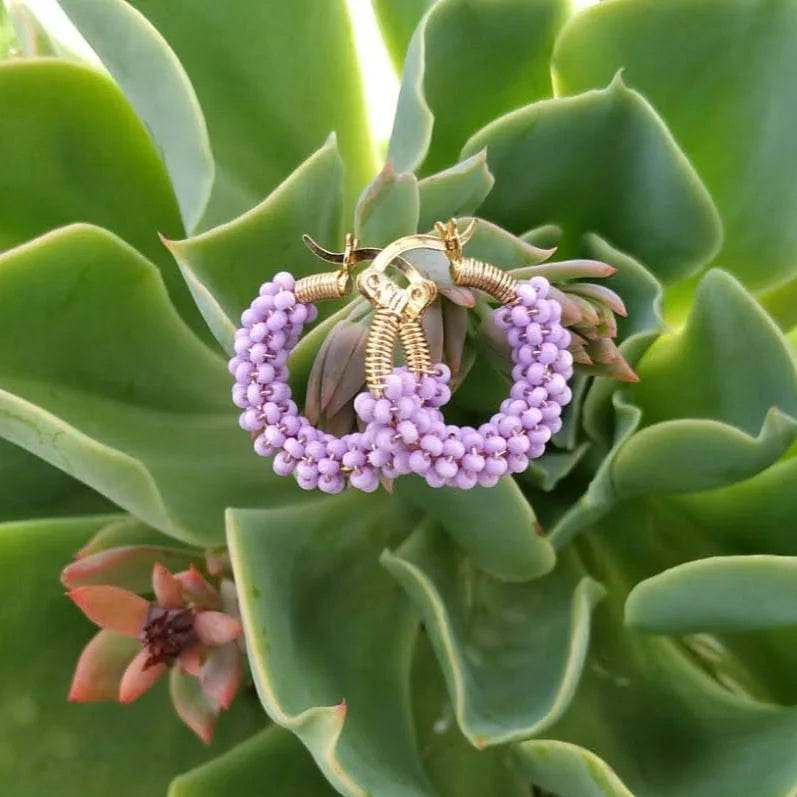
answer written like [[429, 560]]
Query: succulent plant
[[616, 620]]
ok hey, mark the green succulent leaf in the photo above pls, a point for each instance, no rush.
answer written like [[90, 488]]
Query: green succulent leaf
[[447, 92], [73, 150], [397, 22], [456, 768], [114, 389], [721, 593], [155, 83], [295, 77], [729, 364], [457, 191], [387, 209], [330, 636], [685, 59], [224, 267], [691, 455], [565, 161], [567, 769], [640, 291], [30, 488], [495, 526], [273, 759], [545, 473], [487, 636], [49, 746], [665, 727]]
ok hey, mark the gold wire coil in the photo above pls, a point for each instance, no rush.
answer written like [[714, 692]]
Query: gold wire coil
[[380, 345], [471, 273], [416, 347], [327, 285]]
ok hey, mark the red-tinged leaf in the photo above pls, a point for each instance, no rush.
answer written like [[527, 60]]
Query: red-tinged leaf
[[565, 270], [191, 661], [216, 628], [222, 672], [217, 562], [459, 296], [168, 590], [197, 590], [198, 711], [126, 566], [101, 666], [432, 322], [112, 608], [455, 330], [138, 678]]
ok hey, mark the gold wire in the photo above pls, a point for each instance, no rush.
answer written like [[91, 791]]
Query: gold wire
[[380, 345], [416, 347], [327, 285], [471, 273]]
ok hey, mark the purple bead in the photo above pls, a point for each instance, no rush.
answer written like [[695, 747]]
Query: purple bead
[[249, 420], [394, 387], [434, 479], [262, 448], [548, 353], [306, 470], [383, 412], [253, 394], [284, 280], [420, 462], [257, 353], [517, 463], [408, 431], [283, 464], [465, 480], [406, 407], [517, 444], [249, 318], [328, 467], [534, 374], [540, 285], [432, 444], [276, 320], [474, 463], [550, 412], [526, 293], [293, 448], [556, 385], [239, 396], [446, 468], [495, 466], [539, 435], [365, 479], [509, 425], [531, 417], [353, 459], [487, 479], [533, 334], [241, 345], [315, 450], [284, 300], [453, 448], [364, 404], [258, 332], [520, 316], [298, 314]]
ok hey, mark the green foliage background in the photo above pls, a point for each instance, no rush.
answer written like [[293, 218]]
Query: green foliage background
[[617, 621]]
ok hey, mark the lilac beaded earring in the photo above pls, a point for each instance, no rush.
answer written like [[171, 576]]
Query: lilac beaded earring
[[405, 431], [271, 327], [419, 441]]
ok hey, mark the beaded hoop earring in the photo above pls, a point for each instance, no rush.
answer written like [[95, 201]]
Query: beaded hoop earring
[[452, 456], [405, 431]]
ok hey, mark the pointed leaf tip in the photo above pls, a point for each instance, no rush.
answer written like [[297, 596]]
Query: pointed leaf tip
[[112, 608]]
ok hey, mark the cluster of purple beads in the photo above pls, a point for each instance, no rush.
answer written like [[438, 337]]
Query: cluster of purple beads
[[405, 431]]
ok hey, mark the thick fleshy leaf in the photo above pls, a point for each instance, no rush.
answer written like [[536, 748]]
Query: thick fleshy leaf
[[567, 769], [216, 628], [488, 636], [545, 473], [274, 760], [156, 85], [457, 191], [30, 488], [449, 91], [112, 608], [667, 728], [330, 636], [388, 208], [564, 161], [721, 593], [397, 21], [685, 58], [74, 151], [120, 531], [692, 455], [198, 711], [729, 364], [225, 266], [112, 387], [128, 566], [167, 589], [139, 678], [495, 526], [221, 673], [296, 79], [51, 746], [101, 665], [455, 766]]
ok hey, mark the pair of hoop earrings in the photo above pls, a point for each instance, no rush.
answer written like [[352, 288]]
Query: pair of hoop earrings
[[404, 430]]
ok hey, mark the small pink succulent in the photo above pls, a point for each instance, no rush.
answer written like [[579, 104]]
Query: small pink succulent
[[184, 631]]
